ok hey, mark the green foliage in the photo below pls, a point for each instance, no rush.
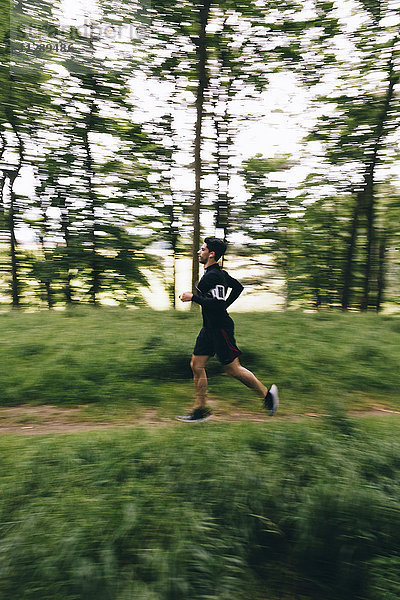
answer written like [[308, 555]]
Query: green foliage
[[243, 511], [385, 577], [356, 133], [108, 164]]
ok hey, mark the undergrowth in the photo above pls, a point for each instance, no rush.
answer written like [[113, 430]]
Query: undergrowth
[[249, 511]]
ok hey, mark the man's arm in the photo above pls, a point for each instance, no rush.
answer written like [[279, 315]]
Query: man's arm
[[212, 291], [210, 283], [217, 288], [236, 290], [207, 302], [211, 303]]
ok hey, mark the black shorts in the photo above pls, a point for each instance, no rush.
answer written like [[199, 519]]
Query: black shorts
[[217, 341]]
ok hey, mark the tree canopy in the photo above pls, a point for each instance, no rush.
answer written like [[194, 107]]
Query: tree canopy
[[128, 119]]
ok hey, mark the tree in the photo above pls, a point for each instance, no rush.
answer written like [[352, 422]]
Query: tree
[[169, 204], [23, 99], [356, 132], [185, 22], [197, 52], [98, 191]]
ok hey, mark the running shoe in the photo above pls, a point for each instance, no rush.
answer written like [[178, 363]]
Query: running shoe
[[198, 415], [271, 400]]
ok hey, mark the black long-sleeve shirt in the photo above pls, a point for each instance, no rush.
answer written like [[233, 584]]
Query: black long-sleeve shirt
[[213, 296]]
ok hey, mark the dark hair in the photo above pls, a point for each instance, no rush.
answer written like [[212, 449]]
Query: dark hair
[[216, 245]]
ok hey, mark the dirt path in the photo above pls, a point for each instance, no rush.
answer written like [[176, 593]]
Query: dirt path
[[41, 420]]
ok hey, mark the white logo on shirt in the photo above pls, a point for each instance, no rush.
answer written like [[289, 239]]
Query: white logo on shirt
[[218, 292]]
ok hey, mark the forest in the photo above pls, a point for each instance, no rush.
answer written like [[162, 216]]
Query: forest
[[120, 129]]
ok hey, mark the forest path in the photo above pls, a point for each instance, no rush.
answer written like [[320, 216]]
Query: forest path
[[42, 420]]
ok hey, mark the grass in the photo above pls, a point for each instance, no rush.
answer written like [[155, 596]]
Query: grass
[[114, 361], [244, 511], [251, 511]]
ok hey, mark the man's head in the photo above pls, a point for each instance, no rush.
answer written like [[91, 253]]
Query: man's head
[[212, 250]]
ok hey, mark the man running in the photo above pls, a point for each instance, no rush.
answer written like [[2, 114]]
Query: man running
[[217, 333]]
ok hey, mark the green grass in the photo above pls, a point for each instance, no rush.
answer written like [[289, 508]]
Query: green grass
[[124, 359], [244, 511], [117, 360], [250, 511]]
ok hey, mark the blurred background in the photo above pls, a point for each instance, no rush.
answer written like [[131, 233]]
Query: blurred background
[[130, 130]]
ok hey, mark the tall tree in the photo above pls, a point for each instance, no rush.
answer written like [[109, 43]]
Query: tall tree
[[202, 83], [239, 71], [356, 133], [23, 99], [100, 179], [170, 205], [205, 46]]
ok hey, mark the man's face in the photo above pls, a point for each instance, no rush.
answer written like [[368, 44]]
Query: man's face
[[203, 254]]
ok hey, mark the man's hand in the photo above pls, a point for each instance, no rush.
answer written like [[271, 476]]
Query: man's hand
[[186, 296]]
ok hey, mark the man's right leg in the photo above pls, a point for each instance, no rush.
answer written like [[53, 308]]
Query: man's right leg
[[198, 364], [203, 350]]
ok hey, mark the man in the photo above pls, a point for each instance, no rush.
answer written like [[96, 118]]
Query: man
[[217, 333]]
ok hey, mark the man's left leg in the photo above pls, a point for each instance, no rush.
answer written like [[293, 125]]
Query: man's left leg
[[270, 397], [236, 370]]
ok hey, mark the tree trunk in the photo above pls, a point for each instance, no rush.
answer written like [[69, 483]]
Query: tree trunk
[[2, 209], [15, 288], [350, 252], [172, 232], [286, 268], [173, 235], [49, 294], [222, 209], [369, 268], [370, 275], [173, 292], [12, 175], [381, 272], [65, 229], [201, 51], [2, 180], [222, 124], [95, 277]]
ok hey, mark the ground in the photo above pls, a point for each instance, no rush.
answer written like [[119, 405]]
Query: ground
[[44, 419]]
